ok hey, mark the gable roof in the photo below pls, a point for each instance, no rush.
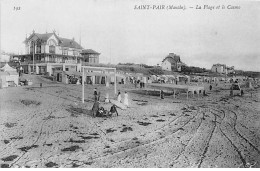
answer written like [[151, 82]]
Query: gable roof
[[63, 42], [89, 51], [172, 58], [7, 68]]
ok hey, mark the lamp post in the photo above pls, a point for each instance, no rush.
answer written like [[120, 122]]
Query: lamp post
[[33, 43]]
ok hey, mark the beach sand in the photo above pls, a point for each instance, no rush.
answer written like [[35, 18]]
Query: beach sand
[[49, 127]]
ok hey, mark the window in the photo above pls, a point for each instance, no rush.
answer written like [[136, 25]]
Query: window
[[38, 47], [64, 51], [75, 53], [52, 49], [38, 50], [31, 48], [66, 69], [52, 43]]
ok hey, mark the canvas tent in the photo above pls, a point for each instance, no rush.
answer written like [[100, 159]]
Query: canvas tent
[[8, 76]]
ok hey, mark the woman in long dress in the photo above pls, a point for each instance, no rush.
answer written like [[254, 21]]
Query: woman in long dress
[[119, 97], [126, 99]]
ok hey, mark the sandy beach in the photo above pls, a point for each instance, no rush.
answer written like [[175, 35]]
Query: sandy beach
[[49, 127]]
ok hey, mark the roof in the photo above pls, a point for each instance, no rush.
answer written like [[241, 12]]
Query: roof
[[219, 65], [43, 37], [69, 43], [89, 51], [7, 68], [73, 73], [172, 58], [63, 42], [10, 63]]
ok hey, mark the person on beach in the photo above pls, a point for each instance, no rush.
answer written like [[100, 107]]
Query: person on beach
[[162, 94], [98, 96], [113, 110], [119, 97], [95, 108], [126, 99], [231, 90], [95, 94]]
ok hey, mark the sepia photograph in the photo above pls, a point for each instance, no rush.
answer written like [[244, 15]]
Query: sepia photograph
[[129, 84]]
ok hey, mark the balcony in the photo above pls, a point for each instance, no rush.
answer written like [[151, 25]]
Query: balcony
[[51, 61]]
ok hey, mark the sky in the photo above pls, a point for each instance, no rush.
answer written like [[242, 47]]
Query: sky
[[121, 33]]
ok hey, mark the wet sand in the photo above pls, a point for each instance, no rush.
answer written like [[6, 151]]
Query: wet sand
[[50, 127]]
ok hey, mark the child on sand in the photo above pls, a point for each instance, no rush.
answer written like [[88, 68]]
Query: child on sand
[[113, 110]]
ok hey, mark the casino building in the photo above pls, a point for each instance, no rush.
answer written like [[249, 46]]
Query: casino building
[[47, 52]]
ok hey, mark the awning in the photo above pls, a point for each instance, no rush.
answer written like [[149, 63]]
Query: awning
[[73, 73]]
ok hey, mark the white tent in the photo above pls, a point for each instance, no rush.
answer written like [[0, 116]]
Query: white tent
[[7, 68], [8, 76]]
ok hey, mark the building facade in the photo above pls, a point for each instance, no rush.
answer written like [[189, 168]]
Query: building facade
[[172, 62], [222, 69], [90, 56], [47, 52]]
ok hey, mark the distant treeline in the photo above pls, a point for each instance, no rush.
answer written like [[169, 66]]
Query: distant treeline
[[252, 74], [192, 69], [136, 65], [140, 68]]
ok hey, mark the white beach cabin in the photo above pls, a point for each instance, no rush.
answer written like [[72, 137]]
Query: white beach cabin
[[8, 76]]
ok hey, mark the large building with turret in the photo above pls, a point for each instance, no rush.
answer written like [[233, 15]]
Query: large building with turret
[[47, 52]]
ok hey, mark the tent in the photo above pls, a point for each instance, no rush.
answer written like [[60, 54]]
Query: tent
[[7, 68], [8, 76]]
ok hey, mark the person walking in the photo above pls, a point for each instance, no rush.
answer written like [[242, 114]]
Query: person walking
[[162, 94], [119, 97], [95, 108], [210, 87], [95, 94], [98, 96], [126, 99]]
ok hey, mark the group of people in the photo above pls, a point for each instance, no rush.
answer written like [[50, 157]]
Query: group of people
[[73, 80], [100, 111], [119, 98], [138, 82]]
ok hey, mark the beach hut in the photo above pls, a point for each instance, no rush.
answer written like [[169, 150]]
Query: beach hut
[[8, 76]]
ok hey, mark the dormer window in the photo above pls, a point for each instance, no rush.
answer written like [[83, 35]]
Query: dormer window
[[52, 49], [38, 47], [52, 45]]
